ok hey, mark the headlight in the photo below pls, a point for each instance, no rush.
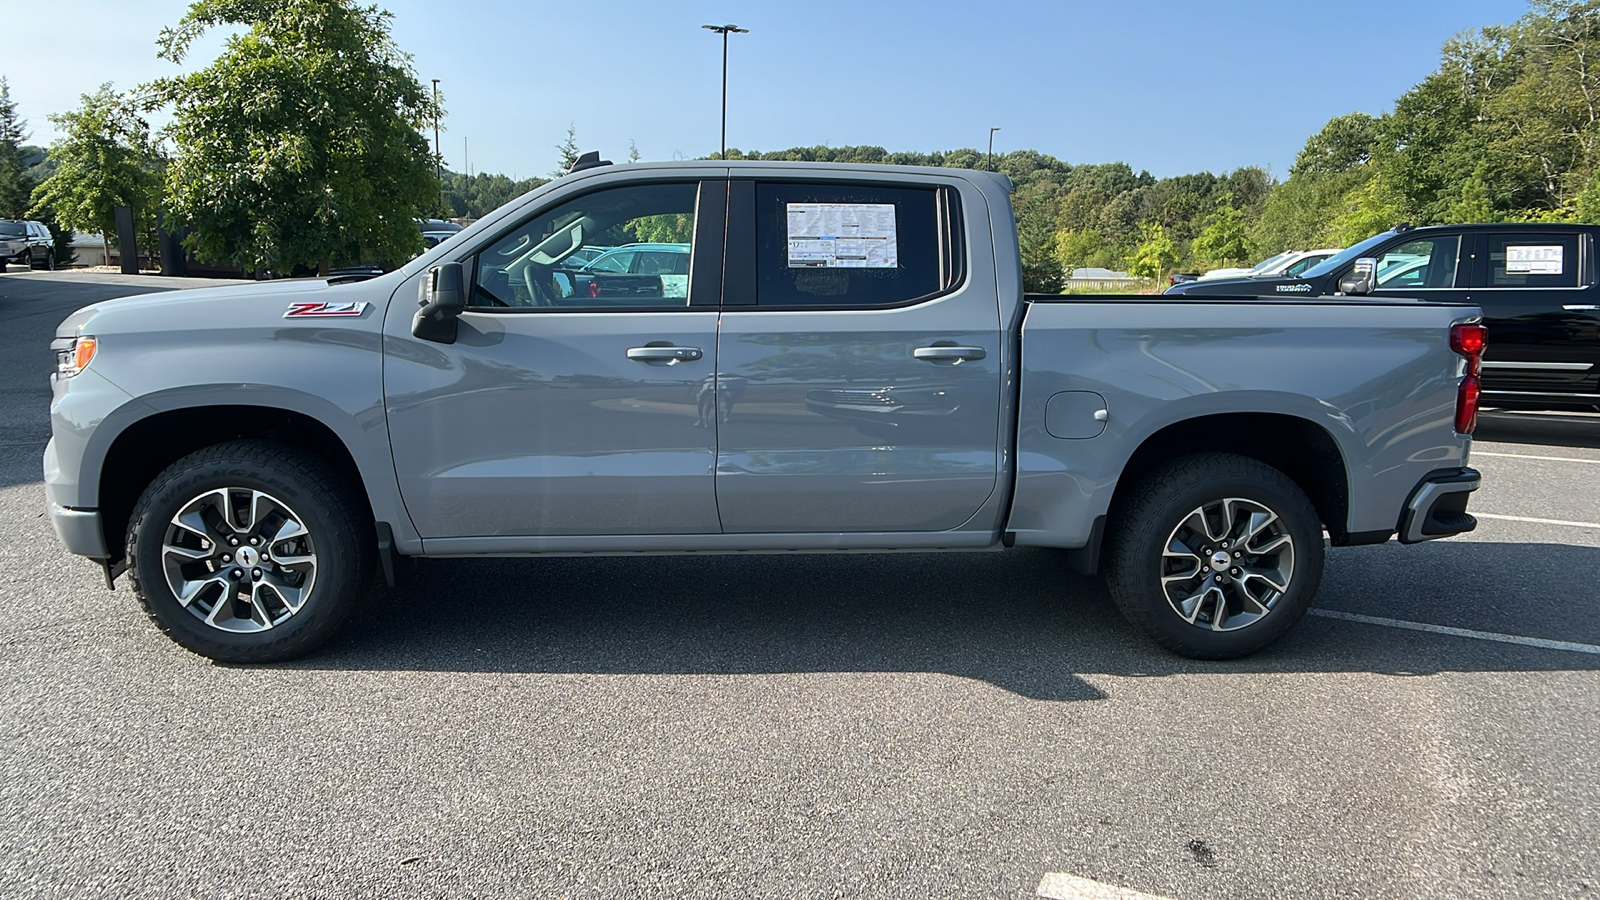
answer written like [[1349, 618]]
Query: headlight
[[76, 356]]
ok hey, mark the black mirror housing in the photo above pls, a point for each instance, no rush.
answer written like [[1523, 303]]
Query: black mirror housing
[[442, 296], [1361, 279]]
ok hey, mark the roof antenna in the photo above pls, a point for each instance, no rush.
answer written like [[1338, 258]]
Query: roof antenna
[[590, 160]]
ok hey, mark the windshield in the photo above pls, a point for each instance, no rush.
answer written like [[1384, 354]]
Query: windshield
[[13, 229], [1271, 261], [1346, 255]]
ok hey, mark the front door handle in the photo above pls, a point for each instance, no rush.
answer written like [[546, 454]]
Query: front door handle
[[667, 355], [1586, 307], [949, 353]]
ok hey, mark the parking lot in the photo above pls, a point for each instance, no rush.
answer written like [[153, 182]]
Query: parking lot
[[913, 725]]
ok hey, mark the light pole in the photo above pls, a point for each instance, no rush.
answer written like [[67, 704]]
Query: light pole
[[991, 148], [438, 161], [725, 30]]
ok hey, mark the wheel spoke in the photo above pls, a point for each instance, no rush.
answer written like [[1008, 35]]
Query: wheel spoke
[[1272, 544], [193, 589]]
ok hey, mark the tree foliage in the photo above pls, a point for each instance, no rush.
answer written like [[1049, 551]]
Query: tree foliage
[[301, 143], [475, 196], [15, 181], [104, 159]]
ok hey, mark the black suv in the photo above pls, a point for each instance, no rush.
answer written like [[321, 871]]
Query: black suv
[[26, 243], [1536, 283]]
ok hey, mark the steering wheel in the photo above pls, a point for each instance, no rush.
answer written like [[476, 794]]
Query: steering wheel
[[541, 284]]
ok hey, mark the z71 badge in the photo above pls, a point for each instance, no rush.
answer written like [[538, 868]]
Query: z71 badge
[[297, 310]]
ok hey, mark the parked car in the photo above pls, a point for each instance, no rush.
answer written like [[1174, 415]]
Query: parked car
[[1287, 263], [854, 366], [1238, 272], [1536, 284], [434, 231], [629, 271], [26, 242]]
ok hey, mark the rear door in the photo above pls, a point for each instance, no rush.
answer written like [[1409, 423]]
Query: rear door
[[858, 364], [1539, 300]]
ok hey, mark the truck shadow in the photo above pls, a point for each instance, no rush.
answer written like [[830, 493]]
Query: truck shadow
[[1572, 430], [1019, 620]]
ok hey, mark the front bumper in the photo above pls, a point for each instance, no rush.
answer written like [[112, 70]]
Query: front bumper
[[1438, 506], [80, 531]]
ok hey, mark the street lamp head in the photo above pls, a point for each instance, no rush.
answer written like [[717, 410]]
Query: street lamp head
[[726, 29]]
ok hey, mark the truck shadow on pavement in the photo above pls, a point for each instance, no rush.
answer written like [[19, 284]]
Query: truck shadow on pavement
[[1019, 620]]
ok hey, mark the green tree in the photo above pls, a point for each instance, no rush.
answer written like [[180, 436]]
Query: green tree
[[1225, 240], [15, 183], [569, 152], [301, 143], [1368, 210], [1154, 255], [104, 159]]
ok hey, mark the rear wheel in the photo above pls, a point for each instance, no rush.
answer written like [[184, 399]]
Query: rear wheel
[[1216, 556], [249, 551], [26, 259]]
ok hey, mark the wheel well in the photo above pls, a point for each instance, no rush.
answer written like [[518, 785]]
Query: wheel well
[[149, 445], [1300, 449]]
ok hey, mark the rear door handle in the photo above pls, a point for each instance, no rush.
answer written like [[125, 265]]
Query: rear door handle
[[668, 355], [941, 352]]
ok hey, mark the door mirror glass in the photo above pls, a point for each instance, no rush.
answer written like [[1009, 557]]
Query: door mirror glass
[[1361, 279]]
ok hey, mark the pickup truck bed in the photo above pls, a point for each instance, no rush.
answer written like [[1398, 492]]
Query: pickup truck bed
[[854, 367]]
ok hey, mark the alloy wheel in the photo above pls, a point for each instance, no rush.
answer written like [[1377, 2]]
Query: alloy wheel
[[1227, 564], [239, 559]]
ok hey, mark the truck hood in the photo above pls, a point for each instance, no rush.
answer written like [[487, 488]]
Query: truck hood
[[1247, 287], [226, 305]]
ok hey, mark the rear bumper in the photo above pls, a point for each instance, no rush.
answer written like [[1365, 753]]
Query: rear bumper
[[1438, 506]]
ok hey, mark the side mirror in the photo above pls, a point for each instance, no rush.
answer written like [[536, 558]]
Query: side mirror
[[1361, 278], [442, 297]]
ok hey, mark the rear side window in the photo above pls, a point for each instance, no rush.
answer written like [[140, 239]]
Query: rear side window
[[1533, 260], [849, 245]]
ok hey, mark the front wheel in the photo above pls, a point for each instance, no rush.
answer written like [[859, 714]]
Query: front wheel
[[1215, 555], [249, 551]]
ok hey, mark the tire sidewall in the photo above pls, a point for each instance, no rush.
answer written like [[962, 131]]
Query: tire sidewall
[[324, 610], [1137, 581]]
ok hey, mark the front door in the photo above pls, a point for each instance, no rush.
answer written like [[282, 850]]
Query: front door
[[569, 404], [858, 361]]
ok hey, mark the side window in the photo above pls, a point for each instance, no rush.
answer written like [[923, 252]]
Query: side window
[[1422, 263], [844, 245], [1532, 260], [529, 268]]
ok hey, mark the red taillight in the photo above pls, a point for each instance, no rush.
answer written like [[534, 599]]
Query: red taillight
[[594, 288], [1467, 404], [1469, 341]]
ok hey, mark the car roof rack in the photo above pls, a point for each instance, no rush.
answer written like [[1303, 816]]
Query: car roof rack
[[590, 160]]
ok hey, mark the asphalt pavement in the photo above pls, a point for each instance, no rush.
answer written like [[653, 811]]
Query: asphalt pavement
[[913, 725]]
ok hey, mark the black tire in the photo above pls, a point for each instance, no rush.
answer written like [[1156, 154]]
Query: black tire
[[1162, 506], [27, 260], [340, 539]]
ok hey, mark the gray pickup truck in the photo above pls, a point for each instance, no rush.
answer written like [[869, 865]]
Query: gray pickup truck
[[854, 366]]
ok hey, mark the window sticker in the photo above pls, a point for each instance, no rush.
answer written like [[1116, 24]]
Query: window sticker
[[842, 236], [1533, 259]]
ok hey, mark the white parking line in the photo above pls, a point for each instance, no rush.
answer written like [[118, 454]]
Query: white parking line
[[1061, 886], [1592, 462], [1517, 639], [1570, 524]]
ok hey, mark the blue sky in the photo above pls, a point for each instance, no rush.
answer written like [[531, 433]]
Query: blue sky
[[1171, 87]]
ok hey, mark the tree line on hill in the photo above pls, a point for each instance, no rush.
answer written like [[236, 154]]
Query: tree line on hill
[[301, 145]]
